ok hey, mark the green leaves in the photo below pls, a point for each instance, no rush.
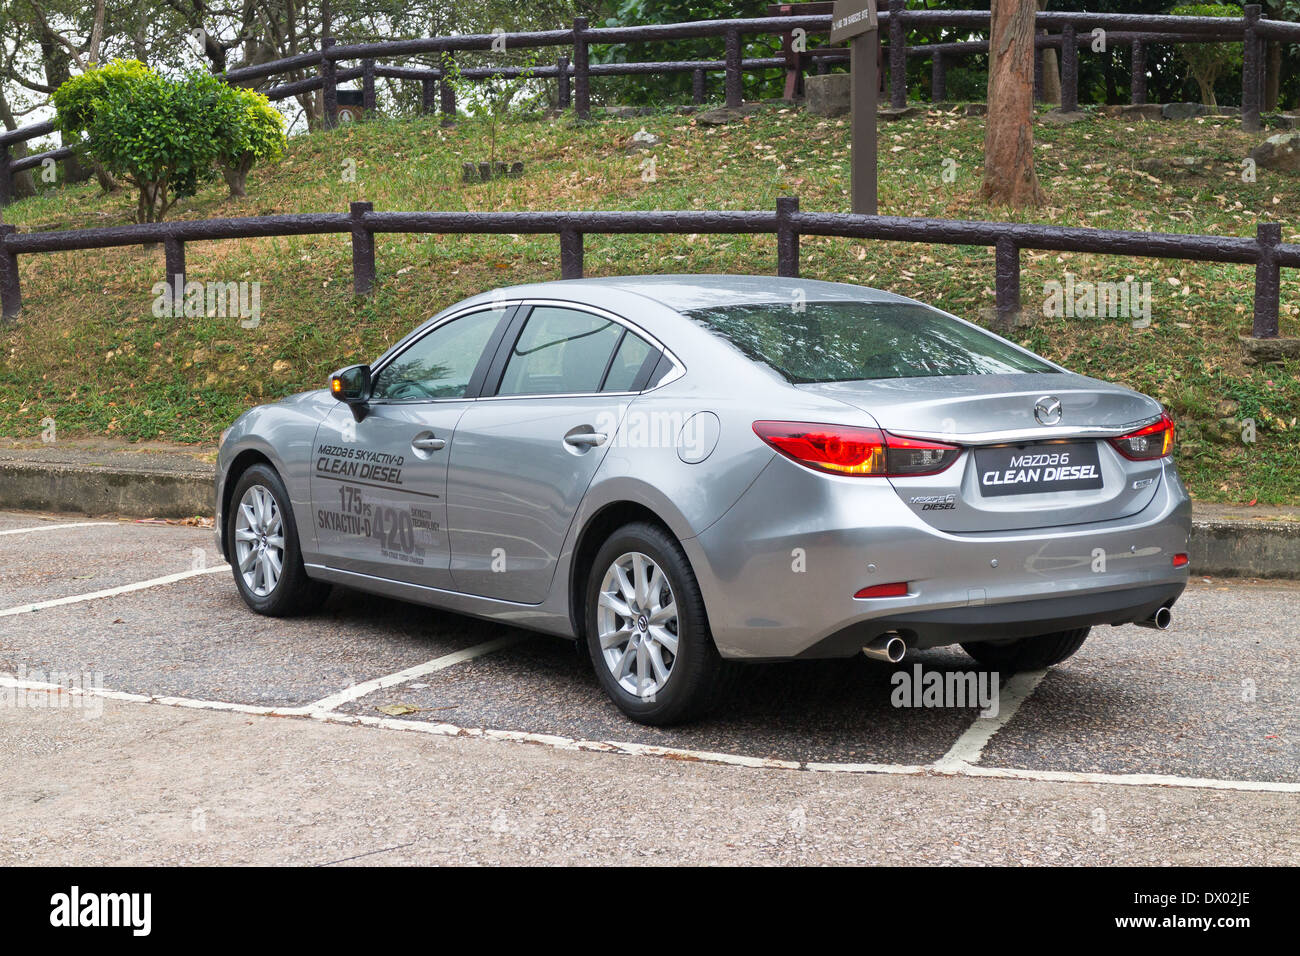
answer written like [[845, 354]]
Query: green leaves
[[167, 135]]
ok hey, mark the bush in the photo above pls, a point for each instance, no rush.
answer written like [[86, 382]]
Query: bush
[[167, 136], [249, 130], [157, 134], [1208, 61]]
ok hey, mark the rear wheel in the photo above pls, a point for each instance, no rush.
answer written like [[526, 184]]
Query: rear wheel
[[647, 631], [1028, 653], [264, 552]]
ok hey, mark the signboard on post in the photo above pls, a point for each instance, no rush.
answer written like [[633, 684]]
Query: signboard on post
[[851, 18], [857, 21]]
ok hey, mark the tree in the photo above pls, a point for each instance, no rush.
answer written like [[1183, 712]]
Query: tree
[[250, 130], [156, 133], [1009, 176], [1207, 61]]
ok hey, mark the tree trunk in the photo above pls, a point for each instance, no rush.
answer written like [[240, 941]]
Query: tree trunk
[[23, 183], [236, 176], [1272, 76], [1009, 176]]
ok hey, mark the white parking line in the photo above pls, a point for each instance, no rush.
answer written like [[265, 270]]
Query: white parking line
[[357, 691], [560, 742], [113, 592], [57, 527], [970, 746]]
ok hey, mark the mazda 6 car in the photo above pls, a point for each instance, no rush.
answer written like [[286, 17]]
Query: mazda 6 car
[[686, 472]]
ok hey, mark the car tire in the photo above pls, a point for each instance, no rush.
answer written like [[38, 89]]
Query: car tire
[[1028, 653], [259, 508], [683, 673]]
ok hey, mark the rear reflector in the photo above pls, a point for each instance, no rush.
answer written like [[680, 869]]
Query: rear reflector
[[1180, 560], [897, 589], [850, 450]]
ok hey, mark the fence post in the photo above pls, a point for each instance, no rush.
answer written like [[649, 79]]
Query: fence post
[[697, 86], [6, 176], [368, 87], [1138, 69], [446, 92], [938, 79], [1268, 279], [735, 91], [565, 93], [363, 249], [581, 78], [897, 56], [1250, 73], [1069, 70], [787, 240], [1038, 74], [570, 254], [1007, 281], [428, 99], [11, 293], [174, 257], [329, 86]]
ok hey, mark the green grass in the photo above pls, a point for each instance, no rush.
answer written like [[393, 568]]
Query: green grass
[[89, 353]]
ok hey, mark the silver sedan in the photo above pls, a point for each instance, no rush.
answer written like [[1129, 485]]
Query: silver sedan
[[683, 472]]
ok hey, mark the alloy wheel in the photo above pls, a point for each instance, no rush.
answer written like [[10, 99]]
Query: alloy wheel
[[259, 540], [636, 620]]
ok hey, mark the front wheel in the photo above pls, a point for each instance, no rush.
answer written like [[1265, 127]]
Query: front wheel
[[1028, 653], [647, 631], [264, 551]]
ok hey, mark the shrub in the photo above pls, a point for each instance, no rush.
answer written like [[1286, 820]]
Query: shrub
[[250, 130], [158, 135], [1208, 61]]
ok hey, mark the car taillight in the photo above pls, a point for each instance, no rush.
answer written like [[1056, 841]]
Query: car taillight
[[849, 450], [1154, 441]]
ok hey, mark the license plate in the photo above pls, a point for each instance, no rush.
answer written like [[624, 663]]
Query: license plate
[[1038, 469]]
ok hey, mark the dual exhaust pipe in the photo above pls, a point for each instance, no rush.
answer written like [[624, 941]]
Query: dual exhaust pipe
[[891, 648]]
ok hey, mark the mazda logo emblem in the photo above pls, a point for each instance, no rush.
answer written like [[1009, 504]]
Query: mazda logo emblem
[[1047, 410]]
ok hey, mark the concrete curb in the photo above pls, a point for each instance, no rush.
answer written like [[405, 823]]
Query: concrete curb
[[1220, 547], [51, 486]]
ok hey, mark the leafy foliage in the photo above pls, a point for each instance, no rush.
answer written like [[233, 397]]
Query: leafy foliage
[[75, 100], [1209, 60], [249, 130]]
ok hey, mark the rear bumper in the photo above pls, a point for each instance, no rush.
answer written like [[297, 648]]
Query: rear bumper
[[778, 572], [997, 622]]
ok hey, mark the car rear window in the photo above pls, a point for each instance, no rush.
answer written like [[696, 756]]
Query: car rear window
[[852, 341]]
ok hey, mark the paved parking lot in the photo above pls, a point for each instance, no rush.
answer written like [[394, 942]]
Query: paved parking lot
[[1204, 715]]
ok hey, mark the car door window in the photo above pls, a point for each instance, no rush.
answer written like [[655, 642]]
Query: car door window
[[441, 364], [560, 352], [629, 364]]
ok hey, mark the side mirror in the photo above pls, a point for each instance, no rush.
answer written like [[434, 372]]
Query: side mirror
[[351, 385]]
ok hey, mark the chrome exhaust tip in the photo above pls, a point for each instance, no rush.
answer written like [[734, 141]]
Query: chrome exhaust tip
[[1160, 620], [887, 647]]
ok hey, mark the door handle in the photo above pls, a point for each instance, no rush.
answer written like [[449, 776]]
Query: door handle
[[428, 444], [585, 439]]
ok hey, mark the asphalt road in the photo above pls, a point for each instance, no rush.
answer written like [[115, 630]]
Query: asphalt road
[[210, 734]]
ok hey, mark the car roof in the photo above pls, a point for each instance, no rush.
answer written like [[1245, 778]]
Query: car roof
[[683, 293]]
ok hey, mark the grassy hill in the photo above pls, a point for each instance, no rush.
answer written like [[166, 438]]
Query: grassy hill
[[89, 353]]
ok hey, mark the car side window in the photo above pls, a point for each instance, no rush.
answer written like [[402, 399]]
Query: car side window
[[441, 364], [629, 362], [560, 352]]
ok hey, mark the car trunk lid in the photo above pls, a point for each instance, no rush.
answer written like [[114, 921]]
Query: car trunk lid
[[1019, 469]]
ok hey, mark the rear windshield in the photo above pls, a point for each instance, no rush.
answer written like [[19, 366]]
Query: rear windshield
[[852, 341]]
